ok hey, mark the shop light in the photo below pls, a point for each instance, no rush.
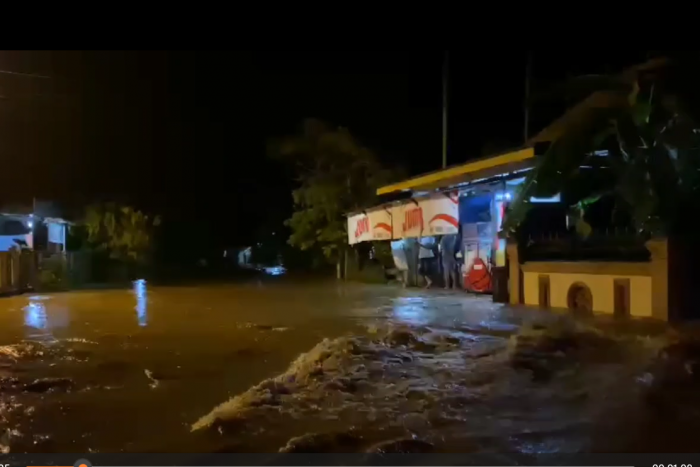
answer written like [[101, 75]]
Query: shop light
[[554, 199]]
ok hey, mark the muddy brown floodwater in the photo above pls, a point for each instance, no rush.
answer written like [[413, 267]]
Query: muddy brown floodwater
[[328, 367]]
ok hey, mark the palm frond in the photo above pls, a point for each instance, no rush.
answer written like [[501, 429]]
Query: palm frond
[[578, 88], [577, 135], [653, 110], [610, 105], [580, 114]]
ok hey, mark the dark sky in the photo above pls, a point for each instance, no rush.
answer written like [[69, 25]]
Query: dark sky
[[183, 133]]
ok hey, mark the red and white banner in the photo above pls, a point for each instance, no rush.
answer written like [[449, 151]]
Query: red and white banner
[[373, 224], [440, 214], [437, 214], [381, 224], [411, 221], [359, 229]]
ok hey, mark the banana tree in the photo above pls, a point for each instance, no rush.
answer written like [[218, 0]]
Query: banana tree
[[646, 119]]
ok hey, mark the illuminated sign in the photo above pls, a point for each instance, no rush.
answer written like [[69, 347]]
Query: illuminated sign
[[553, 199]]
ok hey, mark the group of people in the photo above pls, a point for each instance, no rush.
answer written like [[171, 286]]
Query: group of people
[[438, 256]]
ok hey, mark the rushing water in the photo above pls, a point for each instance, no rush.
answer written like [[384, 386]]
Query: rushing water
[[328, 367]]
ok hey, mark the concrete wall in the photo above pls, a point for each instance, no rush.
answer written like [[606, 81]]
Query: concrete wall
[[598, 277], [642, 287]]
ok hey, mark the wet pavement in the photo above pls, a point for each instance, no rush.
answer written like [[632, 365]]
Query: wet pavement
[[325, 366]]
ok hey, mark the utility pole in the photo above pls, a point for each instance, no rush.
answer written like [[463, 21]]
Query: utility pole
[[445, 72], [526, 104]]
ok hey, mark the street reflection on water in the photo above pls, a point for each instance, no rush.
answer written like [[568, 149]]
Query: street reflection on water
[[141, 301], [35, 315], [38, 326], [132, 370]]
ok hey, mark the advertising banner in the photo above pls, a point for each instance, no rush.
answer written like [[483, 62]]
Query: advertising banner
[[376, 224], [411, 220], [380, 221], [437, 214], [440, 214], [359, 229]]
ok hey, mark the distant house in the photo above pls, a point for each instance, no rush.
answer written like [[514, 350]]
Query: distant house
[[35, 228], [16, 232]]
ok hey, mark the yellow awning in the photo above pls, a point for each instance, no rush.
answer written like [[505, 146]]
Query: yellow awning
[[483, 168]]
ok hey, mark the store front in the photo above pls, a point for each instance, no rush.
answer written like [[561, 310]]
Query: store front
[[465, 204]]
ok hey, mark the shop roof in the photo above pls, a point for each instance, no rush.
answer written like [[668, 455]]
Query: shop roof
[[464, 173]]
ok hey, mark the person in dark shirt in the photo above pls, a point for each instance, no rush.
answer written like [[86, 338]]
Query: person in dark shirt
[[448, 251]]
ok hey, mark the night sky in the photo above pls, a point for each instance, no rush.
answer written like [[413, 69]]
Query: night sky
[[183, 133]]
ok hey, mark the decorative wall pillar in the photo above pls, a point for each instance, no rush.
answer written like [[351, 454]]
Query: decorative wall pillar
[[658, 247], [514, 285]]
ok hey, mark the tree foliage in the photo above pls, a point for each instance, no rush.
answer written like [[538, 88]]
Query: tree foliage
[[647, 120], [336, 175], [124, 232]]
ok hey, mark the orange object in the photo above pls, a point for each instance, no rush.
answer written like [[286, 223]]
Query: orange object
[[478, 278]]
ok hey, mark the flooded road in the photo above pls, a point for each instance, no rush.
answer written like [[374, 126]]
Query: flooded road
[[326, 367]]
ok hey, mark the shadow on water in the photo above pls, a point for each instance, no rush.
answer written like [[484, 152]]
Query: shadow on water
[[378, 369]]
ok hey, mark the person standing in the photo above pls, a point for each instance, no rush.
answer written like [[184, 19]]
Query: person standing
[[427, 257], [398, 251], [448, 251]]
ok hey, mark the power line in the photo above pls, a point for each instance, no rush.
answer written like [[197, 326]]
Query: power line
[[21, 75], [26, 75]]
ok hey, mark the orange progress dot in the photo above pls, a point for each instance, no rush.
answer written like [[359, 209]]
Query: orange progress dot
[[82, 465]]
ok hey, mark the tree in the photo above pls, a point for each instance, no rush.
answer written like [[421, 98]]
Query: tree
[[124, 232], [336, 175], [647, 120]]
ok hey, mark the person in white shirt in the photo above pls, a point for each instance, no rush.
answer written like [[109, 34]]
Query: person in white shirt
[[398, 251], [427, 259]]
